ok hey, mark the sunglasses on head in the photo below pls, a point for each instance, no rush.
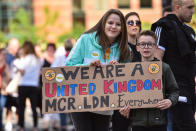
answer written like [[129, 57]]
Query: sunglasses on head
[[131, 23]]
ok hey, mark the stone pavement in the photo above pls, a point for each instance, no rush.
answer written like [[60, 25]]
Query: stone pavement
[[29, 121]]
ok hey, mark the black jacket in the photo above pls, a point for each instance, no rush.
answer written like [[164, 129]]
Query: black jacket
[[180, 45], [154, 116], [136, 55]]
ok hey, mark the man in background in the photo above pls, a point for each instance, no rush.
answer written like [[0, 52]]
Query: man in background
[[177, 45], [13, 47]]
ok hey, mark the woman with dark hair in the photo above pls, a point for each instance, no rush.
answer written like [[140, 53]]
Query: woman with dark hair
[[133, 23], [105, 43], [30, 65], [47, 60]]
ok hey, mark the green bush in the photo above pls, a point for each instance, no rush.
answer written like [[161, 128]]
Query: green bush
[[3, 40], [22, 27], [146, 26], [78, 29]]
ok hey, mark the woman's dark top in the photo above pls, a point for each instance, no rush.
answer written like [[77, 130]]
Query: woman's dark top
[[136, 54]]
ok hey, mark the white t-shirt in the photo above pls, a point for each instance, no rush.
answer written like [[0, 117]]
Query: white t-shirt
[[31, 66]]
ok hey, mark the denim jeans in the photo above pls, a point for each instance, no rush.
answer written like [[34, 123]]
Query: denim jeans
[[63, 119], [169, 119], [2, 105]]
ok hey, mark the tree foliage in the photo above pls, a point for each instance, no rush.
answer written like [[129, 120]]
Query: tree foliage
[[21, 26], [50, 21]]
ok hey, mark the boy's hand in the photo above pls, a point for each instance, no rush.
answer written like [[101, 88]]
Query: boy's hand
[[125, 111], [164, 104]]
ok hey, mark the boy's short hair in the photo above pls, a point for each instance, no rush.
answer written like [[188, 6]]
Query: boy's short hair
[[148, 33]]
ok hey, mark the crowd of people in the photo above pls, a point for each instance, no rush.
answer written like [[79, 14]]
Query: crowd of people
[[27, 61], [115, 39]]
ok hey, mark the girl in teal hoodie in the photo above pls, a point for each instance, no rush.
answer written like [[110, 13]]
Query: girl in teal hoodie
[[105, 43]]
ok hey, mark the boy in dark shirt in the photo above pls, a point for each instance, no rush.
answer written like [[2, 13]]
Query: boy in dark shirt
[[153, 119]]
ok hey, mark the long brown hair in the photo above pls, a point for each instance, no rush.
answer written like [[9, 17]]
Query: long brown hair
[[122, 38], [28, 48]]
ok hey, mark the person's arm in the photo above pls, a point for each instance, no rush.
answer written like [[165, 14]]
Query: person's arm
[[57, 62], [171, 87], [161, 42], [18, 67]]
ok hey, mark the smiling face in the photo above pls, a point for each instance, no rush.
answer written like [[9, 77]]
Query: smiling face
[[133, 25], [112, 27], [146, 46]]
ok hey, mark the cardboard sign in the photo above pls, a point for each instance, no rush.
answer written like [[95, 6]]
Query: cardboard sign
[[111, 87]]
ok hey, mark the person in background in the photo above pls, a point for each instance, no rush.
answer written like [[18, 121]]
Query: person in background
[[153, 119], [105, 43], [167, 10], [177, 46], [47, 59], [4, 80], [12, 98], [48, 55], [38, 51], [60, 61], [13, 47], [133, 24], [30, 66]]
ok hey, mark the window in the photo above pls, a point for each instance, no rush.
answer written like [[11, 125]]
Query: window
[[78, 12], [123, 4], [146, 3], [77, 5], [101, 4], [8, 9]]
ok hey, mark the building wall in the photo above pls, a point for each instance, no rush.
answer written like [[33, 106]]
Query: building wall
[[93, 12], [64, 21], [147, 14]]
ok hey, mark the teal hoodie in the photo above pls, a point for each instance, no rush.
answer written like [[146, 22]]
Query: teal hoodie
[[86, 50]]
